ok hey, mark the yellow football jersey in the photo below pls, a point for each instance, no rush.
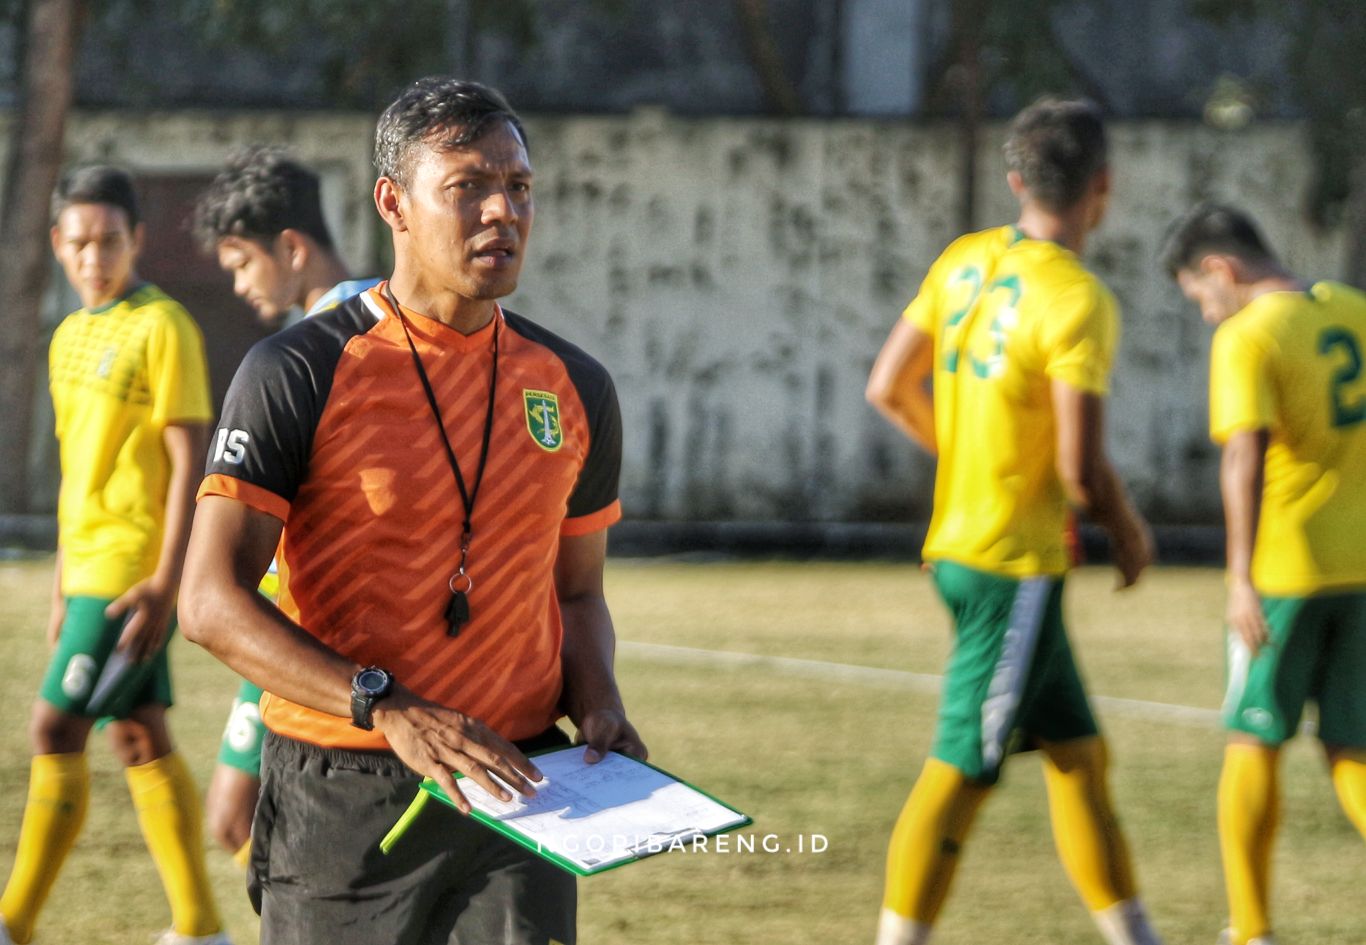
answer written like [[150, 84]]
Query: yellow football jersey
[[119, 375], [1292, 363], [1008, 315]]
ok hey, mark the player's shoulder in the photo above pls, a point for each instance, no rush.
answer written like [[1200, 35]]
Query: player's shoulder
[[1056, 282], [1275, 314], [586, 372], [308, 351], [150, 302], [979, 247], [560, 347], [1347, 300], [341, 292]]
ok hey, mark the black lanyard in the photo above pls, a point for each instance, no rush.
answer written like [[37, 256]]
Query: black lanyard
[[458, 610]]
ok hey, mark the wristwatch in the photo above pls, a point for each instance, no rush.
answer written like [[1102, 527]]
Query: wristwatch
[[368, 686]]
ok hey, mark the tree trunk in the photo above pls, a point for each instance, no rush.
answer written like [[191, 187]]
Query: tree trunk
[[968, 29], [49, 43], [779, 92], [1354, 218]]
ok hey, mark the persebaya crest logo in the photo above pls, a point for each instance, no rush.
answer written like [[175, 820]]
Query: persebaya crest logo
[[543, 419]]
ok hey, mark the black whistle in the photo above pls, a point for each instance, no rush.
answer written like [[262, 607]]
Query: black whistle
[[457, 613]]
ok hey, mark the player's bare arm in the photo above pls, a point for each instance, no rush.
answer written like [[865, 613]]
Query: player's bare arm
[[1092, 485], [897, 383], [230, 548], [1241, 470], [57, 616], [591, 698], [152, 601]]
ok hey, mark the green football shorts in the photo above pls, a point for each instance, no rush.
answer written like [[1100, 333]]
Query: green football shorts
[[244, 733], [1316, 650], [88, 677], [1011, 678]]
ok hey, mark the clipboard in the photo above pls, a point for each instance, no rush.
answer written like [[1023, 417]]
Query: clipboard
[[587, 819]]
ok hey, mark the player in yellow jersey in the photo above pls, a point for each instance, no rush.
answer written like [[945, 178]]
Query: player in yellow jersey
[[131, 398], [1000, 367], [1288, 405]]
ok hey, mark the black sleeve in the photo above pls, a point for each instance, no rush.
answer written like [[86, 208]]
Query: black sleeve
[[599, 480], [272, 409]]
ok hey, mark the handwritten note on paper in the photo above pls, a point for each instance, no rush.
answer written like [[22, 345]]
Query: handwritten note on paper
[[597, 815]]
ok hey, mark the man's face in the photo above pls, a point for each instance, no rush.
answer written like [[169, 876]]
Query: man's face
[[1212, 288], [97, 250], [468, 213], [261, 277]]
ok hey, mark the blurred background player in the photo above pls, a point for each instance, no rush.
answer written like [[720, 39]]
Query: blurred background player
[[1288, 405], [262, 218], [131, 396], [1014, 337]]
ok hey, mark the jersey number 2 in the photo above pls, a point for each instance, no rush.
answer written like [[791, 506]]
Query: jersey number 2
[[1347, 411]]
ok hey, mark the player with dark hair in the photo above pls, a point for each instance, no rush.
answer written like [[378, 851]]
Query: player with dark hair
[[1000, 366], [131, 397], [263, 218], [1288, 405], [438, 475]]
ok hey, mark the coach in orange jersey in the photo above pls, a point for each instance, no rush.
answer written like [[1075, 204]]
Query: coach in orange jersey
[[439, 475]]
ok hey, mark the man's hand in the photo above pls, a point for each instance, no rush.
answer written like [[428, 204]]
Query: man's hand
[[1244, 616], [1134, 550], [150, 605], [604, 730], [434, 741]]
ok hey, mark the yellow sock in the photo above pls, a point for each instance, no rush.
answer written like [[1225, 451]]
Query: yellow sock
[[1249, 811], [1349, 778], [243, 855], [1085, 830], [58, 794], [923, 852], [169, 813]]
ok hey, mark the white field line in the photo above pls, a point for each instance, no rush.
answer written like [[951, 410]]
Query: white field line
[[896, 679]]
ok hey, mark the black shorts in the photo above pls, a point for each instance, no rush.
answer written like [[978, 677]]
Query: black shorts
[[317, 876]]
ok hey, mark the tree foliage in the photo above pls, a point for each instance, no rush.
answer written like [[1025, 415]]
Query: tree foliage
[[1325, 42], [1017, 51]]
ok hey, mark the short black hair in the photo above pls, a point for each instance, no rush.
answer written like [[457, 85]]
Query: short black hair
[[260, 193], [96, 183], [458, 111], [1057, 146], [1213, 228]]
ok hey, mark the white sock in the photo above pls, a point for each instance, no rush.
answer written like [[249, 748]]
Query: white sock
[[1126, 923], [893, 929]]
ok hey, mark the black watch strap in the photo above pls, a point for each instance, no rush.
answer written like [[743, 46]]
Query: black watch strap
[[368, 686]]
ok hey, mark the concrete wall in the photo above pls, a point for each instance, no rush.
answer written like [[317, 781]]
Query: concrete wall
[[738, 277]]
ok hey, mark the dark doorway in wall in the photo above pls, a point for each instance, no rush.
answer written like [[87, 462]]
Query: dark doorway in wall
[[172, 260]]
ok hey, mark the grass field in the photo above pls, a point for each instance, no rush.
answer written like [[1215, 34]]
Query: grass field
[[806, 752]]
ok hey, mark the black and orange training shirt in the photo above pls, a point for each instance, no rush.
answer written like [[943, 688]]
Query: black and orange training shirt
[[327, 428]]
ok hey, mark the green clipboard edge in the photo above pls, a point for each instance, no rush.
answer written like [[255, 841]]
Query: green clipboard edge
[[429, 789]]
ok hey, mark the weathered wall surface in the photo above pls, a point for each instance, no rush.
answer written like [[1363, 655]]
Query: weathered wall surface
[[738, 277]]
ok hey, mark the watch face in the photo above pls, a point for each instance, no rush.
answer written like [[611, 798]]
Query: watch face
[[372, 681]]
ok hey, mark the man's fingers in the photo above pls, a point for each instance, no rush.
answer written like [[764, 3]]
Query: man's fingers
[[443, 777], [633, 745], [513, 767], [118, 607], [129, 638]]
